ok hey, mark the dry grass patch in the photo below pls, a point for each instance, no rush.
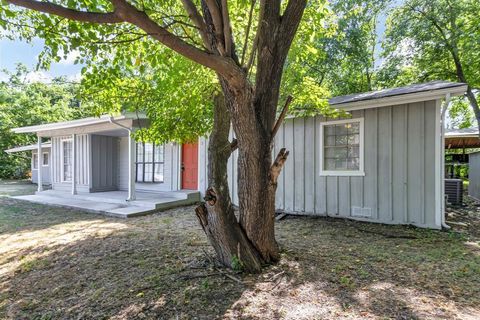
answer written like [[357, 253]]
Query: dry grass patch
[[64, 264]]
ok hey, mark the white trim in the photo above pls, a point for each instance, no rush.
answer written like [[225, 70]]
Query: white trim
[[48, 159], [438, 163], [74, 163], [68, 124], [33, 147], [348, 173], [62, 159], [39, 165], [400, 99]]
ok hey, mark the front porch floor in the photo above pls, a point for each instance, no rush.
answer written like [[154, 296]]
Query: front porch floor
[[113, 203]]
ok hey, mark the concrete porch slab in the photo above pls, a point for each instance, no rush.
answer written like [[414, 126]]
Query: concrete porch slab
[[113, 203]]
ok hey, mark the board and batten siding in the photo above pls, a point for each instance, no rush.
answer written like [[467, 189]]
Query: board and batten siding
[[474, 175], [82, 169], [399, 186]]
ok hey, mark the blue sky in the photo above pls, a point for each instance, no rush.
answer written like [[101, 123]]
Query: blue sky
[[13, 52]]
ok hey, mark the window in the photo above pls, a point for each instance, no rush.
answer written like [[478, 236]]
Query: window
[[45, 159], [66, 160], [150, 162], [342, 148], [35, 161]]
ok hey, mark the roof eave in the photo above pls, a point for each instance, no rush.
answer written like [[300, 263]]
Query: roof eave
[[401, 99], [66, 125]]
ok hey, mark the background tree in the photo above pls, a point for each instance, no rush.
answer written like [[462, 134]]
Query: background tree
[[24, 103], [345, 58], [434, 39], [245, 43]]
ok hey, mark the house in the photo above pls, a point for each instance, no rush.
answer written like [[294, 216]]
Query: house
[[96, 163], [383, 163]]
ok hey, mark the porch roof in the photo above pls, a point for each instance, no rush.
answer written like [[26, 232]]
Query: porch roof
[[77, 123], [45, 145], [462, 138]]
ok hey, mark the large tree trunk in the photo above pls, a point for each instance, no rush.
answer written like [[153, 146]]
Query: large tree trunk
[[217, 216]]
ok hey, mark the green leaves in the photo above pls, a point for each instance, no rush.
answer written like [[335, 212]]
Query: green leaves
[[23, 104]]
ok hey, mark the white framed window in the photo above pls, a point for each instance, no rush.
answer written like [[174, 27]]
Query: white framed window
[[342, 148], [35, 161], [45, 159], [66, 156], [149, 163]]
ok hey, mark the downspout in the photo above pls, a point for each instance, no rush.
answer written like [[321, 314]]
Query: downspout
[[442, 161], [131, 193]]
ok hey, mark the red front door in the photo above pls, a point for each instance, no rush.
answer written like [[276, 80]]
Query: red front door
[[190, 166]]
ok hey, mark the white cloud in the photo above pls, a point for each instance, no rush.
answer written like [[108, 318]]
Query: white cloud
[[38, 76], [75, 77], [70, 58]]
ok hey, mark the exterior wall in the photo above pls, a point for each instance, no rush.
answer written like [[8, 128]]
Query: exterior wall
[[104, 163], [474, 175], [171, 169], [46, 180], [82, 170], [400, 182]]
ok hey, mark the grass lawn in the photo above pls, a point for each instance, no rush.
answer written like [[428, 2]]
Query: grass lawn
[[65, 264]]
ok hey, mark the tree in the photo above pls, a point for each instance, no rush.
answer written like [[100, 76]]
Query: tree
[[435, 39], [250, 80], [24, 103]]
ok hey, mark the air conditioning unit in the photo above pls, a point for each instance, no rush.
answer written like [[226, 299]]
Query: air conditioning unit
[[454, 191]]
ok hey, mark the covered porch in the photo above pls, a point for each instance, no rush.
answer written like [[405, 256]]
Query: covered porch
[[113, 203]]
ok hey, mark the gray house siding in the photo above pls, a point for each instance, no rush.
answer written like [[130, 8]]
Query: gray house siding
[[399, 185], [474, 175], [104, 161], [45, 169], [82, 156]]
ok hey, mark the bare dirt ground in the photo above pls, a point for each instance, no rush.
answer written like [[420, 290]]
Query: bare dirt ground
[[65, 264]]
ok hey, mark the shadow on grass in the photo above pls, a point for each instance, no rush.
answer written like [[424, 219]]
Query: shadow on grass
[[147, 267], [130, 272]]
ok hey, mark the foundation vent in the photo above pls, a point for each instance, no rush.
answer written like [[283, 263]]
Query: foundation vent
[[361, 212]]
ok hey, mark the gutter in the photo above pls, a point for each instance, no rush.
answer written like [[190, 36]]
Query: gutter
[[113, 121], [442, 162], [131, 188]]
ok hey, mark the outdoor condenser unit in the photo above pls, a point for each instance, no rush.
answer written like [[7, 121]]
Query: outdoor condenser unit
[[454, 191]]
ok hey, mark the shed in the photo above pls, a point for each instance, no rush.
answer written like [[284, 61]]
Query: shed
[[382, 163]]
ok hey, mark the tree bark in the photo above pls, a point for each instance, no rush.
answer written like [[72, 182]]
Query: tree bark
[[251, 106], [217, 216]]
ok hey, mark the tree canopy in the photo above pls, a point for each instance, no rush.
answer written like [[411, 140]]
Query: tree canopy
[[24, 103], [431, 40]]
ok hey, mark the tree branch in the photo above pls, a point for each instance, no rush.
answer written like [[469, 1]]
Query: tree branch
[[197, 20], [247, 33], [125, 12], [281, 117], [217, 20], [51, 8], [227, 32], [277, 165]]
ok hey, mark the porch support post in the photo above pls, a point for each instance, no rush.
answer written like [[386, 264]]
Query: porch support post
[[131, 167], [39, 164], [74, 164]]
